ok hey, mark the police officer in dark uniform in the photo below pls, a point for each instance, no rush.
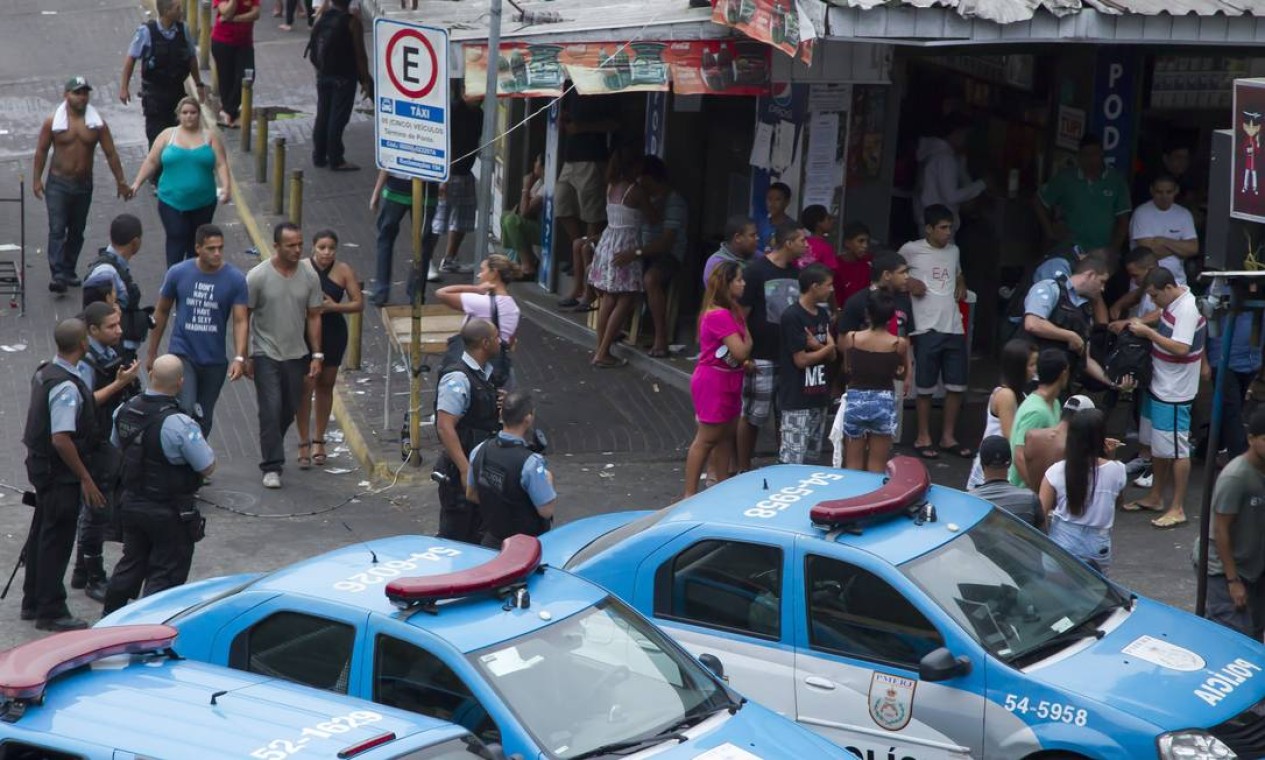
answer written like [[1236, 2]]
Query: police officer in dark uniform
[[466, 414], [112, 383], [1059, 314], [511, 483], [165, 458], [167, 55], [60, 436], [114, 265]]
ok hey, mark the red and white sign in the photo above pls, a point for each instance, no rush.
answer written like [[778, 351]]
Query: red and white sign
[[412, 114]]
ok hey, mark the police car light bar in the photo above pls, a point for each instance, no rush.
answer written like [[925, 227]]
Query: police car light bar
[[366, 745], [906, 487], [519, 557], [26, 670]]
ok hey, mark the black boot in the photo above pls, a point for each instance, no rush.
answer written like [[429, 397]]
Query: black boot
[[79, 576], [96, 579]]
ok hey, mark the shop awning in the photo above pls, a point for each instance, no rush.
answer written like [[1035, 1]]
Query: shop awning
[[1011, 11]]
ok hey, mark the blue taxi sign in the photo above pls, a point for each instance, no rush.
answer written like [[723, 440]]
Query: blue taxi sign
[[906, 487], [519, 558]]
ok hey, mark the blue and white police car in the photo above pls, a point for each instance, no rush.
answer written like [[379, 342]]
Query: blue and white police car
[[908, 621], [529, 657], [123, 694]]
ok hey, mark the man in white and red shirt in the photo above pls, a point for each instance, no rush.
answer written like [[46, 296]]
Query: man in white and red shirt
[[1177, 358]]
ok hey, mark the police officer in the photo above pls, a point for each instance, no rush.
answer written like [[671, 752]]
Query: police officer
[[167, 56], [465, 416], [164, 460], [60, 435], [1059, 313], [511, 483], [114, 265], [112, 383]]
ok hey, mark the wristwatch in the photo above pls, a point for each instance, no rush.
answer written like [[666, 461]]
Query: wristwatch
[[318, 356], [239, 359]]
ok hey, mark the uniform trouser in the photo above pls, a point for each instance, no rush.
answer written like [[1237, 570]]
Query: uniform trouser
[[48, 546], [458, 517], [90, 535], [157, 552], [279, 386], [159, 108]]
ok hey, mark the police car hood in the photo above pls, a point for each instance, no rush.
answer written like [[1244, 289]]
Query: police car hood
[[1163, 666]]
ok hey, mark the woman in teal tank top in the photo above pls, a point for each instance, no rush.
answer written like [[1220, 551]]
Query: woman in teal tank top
[[191, 161]]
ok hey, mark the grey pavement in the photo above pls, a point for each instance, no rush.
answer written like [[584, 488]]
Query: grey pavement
[[618, 437]]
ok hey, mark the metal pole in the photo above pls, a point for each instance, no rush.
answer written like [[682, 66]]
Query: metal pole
[[278, 175], [417, 277], [1210, 453], [22, 240], [355, 329], [486, 153], [261, 147], [296, 197], [247, 111], [204, 34]]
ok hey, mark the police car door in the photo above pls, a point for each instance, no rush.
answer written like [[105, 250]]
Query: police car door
[[860, 641], [721, 590]]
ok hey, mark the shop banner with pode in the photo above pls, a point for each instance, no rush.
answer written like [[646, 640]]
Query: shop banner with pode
[[694, 67], [1247, 197], [779, 23]]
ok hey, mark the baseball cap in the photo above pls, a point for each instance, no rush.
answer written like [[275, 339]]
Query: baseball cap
[[1078, 403], [77, 83], [994, 451]]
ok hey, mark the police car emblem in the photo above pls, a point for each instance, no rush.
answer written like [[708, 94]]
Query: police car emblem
[[1164, 654], [891, 700]]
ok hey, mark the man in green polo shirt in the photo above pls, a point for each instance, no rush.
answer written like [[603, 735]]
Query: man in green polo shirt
[[1092, 200]]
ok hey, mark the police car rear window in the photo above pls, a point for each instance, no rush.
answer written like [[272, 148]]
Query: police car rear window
[[610, 538]]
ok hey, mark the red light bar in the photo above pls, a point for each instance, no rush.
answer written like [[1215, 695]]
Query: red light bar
[[519, 557], [906, 486], [367, 745], [26, 670]]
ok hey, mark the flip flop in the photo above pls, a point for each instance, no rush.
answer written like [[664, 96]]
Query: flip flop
[[959, 450], [927, 452], [1166, 522], [1138, 506], [612, 364], [655, 353]]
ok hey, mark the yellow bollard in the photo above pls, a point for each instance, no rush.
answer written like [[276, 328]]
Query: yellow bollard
[[191, 18], [278, 175], [247, 112], [261, 147], [204, 34], [355, 327], [296, 197]]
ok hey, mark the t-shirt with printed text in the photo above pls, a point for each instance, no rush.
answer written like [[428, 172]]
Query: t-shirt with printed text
[[202, 303], [807, 387]]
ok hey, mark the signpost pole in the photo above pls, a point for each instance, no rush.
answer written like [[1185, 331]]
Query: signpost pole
[[486, 153], [416, 278]]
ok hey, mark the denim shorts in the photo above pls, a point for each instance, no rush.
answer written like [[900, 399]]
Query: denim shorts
[[869, 412], [1090, 545]]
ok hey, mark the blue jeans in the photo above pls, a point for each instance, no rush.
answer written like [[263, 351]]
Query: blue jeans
[[389, 218], [68, 204], [201, 389], [278, 387], [180, 227], [335, 97]]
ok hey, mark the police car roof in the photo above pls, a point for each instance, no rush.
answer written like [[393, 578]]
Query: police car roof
[[349, 576], [744, 500], [154, 706]]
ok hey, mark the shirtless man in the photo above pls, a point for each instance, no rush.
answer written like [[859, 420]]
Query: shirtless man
[[73, 132], [1045, 446]]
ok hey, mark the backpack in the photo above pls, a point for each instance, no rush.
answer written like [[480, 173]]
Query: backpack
[[322, 37], [1129, 355]]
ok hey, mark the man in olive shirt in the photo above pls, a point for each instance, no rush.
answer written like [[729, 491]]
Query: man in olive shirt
[[1236, 555], [1092, 200]]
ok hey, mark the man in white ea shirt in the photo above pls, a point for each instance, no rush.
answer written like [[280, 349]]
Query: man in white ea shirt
[[936, 283], [1177, 357], [1165, 227]]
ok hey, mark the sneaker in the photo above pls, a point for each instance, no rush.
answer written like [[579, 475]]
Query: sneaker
[[56, 286], [1145, 480], [67, 623], [272, 480], [1137, 466], [434, 275], [451, 266]]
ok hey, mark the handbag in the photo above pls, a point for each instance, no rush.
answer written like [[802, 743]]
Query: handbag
[[502, 365]]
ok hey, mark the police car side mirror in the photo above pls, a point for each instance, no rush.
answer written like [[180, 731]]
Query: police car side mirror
[[713, 663], [941, 665]]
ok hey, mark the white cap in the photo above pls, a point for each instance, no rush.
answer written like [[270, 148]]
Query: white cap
[[1078, 403]]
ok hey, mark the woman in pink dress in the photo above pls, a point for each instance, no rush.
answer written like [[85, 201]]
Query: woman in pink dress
[[716, 386]]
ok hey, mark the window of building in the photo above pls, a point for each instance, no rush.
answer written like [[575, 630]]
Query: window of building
[[855, 613], [410, 678], [303, 648], [732, 585]]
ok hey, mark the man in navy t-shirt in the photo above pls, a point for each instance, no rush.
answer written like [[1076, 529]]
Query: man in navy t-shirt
[[205, 293]]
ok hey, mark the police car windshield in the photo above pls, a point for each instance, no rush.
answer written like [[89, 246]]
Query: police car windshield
[[600, 677], [1011, 588]]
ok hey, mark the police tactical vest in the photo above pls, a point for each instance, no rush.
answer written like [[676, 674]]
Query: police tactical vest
[[1066, 316], [43, 464], [505, 506], [104, 371], [166, 62], [482, 419], [147, 474], [135, 320]]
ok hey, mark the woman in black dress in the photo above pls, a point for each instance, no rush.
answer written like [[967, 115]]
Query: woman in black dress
[[338, 281]]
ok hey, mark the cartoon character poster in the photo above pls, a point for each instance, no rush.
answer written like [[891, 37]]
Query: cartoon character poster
[[1246, 191]]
